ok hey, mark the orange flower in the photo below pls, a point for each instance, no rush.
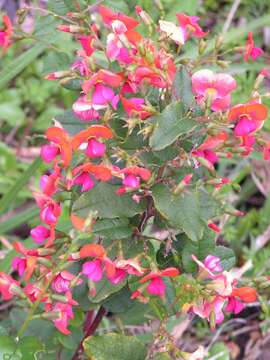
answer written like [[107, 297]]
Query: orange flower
[[246, 294], [93, 131]]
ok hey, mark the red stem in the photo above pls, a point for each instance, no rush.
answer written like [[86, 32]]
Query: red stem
[[89, 328]]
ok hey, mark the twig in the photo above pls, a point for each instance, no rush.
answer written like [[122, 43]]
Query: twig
[[230, 16], [90, 331]]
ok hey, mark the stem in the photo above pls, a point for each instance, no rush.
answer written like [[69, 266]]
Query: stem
[[90, 330]]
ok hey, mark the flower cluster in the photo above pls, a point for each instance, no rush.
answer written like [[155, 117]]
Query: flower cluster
[[120, 92]]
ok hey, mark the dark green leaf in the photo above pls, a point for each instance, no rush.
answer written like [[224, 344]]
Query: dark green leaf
[[70, 122], [119, 302], [114, 347], [169, 125], [188, 211], [108, 204], [29, 346], [226, 255], [56, 61], [182, 88], [8, 348], [104, 289], [113, 229]]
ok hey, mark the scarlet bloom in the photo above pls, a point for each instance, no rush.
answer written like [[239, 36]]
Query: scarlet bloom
[[95, 131], [60, 145], [246, 294], [250, 50], [132, 178], [6, 33], [208, 148], [189, 25], [215, 88], [156, 285], [6, 281], [248, 117], [109, 16], [135, 107], [65, 313]]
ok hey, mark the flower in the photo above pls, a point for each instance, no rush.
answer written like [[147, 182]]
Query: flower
[[40, 233], [62, 281], [248, 117], [6, 282], [65, 313], [6, 33], [156, 285], [135, 107], [176, 33], [85, 181], [215, 88], [250, 50], [60, 146], [189, 26], [132, 177]]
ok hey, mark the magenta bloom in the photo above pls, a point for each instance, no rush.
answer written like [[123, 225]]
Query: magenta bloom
[[6, 281], [250, 50], [212, 263], [19, 264], [118, 276], [189, 26], [131, 181], [49, 152], [234, 305], [216, 87], [65, 314], [85, 180], [40, 233], [93, 270], [104, 95], [95, 148], [156, 287], [84, 109]]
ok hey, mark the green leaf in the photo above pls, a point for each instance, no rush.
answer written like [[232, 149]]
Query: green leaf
[[163, 356], [108, 204], [114, 347], [59, 7], [219, 351], [7, 348], [70, 122], [119, 302], [188, 211], [56, 61], [113, 229], [20, 63], [10, 196], [104, 289], [182, 88], [226, 255], [29, 347], [12, 113], [201, 248], [18, 219], [169, 125]]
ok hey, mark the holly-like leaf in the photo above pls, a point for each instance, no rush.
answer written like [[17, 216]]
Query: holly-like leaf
[[119, 302], [170, 125], [113, 228], [188, 211], [107, 203], [114, 347], [182, 88]]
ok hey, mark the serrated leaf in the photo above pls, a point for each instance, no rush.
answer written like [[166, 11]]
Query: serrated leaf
[[70, 122], [114, 347], [107, 203], [188, 211], [170, 125], [182, 88]]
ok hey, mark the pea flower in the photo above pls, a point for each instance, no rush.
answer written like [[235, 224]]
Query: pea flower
[[213, 88], [250, 50], [6, 33]]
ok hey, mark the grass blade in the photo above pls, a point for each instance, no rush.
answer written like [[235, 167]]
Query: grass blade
[[18, 219], [9, 197]]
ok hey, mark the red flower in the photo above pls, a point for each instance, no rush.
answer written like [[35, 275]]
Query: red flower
[[251, 51], [248, 117], [109, 16], [189, 24], [246, 294], [6, 33], [95, 131]]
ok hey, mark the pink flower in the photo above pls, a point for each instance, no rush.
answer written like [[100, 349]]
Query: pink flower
[[156, 285], [87, 42], [85, 180], [95, 148], [205, 308], [212, 263], [131, 181], [6, 282], [84, 109], [49, 152], [250, 50], [6, 33], [40, 233], [214, 87], [189, 26], [19, 264], [104, 95], [115, 50], [93, 270], [33, 292], [234, 305], [176, 33], [124, 267], [65, 313], [132, 178], [82, 66], [62, 281]]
